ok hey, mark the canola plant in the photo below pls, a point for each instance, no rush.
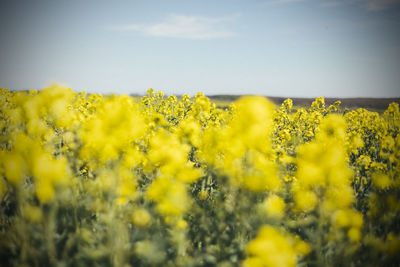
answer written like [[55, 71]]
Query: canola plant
[[92, 180]]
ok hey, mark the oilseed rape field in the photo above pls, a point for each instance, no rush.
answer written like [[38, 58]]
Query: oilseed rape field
[[93, 180]]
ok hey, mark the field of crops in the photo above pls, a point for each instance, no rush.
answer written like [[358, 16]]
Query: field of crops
[[92, 180]]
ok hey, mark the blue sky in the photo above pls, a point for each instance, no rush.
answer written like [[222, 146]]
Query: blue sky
[[290, 48]]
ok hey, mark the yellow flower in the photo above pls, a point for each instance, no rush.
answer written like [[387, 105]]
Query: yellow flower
[[381, 181], [45, 191], [202, 195], [262, 175], [354, 234], [181, 224], [337, 197], [301, 247], [274, 206], [46, 168], [333, 126], [272, 248], [141, 217], [305, 200], [347, 218], [170, 195], [254, 262], [33, 213], [14, 167], [189, 174], [126, 185], [175, 201], [310, 174]]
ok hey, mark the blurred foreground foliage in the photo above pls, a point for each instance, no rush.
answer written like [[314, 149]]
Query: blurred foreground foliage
[[92, 180]]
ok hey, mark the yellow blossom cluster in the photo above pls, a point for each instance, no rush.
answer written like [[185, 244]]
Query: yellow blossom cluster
[[273, 248], [89, 179]]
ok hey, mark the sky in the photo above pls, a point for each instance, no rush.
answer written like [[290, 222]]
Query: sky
[[289, 48]]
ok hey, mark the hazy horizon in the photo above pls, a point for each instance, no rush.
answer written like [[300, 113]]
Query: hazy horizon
[[282, 48]]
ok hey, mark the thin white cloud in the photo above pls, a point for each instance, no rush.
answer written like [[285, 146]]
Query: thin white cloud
[[185, 27]]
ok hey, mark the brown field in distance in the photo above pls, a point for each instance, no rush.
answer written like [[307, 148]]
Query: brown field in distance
[[373, 104]]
